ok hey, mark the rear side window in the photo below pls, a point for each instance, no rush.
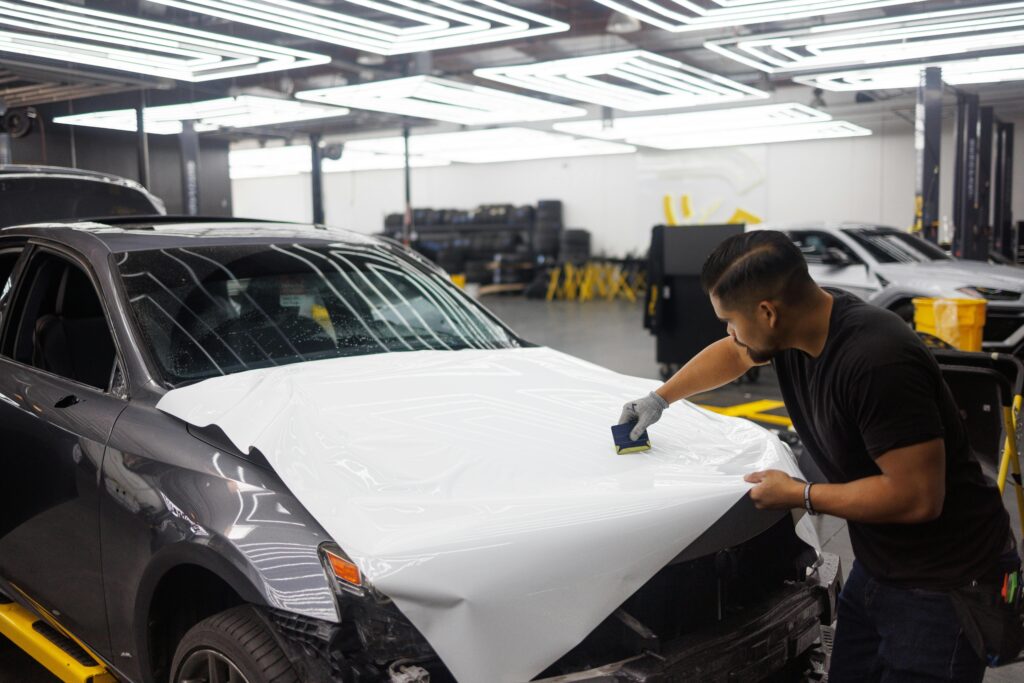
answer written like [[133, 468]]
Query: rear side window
[[815, 245], [41, 199], [8, 259], [58, 324]]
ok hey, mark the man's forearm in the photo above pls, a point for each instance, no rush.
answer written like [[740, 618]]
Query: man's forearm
[[873, 500], [715, 366]]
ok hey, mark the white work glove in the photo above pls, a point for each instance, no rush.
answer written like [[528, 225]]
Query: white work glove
[[645, 411]]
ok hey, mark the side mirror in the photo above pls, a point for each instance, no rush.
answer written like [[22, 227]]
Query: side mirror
[[835, 257]]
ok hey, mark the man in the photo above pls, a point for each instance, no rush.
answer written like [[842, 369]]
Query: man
[[869, 403]]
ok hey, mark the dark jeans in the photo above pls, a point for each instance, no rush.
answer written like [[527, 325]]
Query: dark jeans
[[897, 635]]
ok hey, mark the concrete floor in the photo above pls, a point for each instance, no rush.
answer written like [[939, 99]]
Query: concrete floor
[[609, 334]]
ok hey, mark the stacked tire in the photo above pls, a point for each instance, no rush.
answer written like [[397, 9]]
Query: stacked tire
[[575, 246], [547, 230]]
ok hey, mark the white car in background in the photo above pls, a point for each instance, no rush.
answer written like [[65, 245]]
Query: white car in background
[[889, 268]]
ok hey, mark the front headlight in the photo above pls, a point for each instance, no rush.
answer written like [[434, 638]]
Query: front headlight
[[990, 293]]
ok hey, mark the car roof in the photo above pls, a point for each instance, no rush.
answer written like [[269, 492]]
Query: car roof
[[34, 170], [118, 235], [822, 225]]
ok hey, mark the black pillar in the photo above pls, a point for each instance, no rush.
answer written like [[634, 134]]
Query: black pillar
[[928, 142], [1002, 212], [986, 121], [965, 201], [142, 142], [189, 140], [316, 177], [407, 222]]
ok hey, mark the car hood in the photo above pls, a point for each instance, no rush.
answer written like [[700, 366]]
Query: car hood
[[945, 277], [480, 489]]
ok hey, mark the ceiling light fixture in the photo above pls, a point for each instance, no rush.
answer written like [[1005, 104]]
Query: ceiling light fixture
[[926, 35], [625, 128], [1001, 69], [268, 162], [631, 81], [385, 27], [752, 136], [692, 15], [83, 36], [719, 128], [244, 111], [492, 145], [442, 100]]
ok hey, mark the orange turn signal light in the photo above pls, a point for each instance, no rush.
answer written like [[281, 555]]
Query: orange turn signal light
[[344, 570]]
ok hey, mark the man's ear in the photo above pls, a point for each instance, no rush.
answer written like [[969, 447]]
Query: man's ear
[[767, 311]]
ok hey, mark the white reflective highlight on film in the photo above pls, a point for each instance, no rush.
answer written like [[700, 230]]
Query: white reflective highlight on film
[[955, 32], [71, 33], [386, 27], [442, 99], [692, 15], [636, 80], [243, 111], [480, 490]]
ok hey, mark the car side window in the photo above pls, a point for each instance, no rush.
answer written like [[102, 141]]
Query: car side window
[[815, 245], [8, 260], [58, 324]]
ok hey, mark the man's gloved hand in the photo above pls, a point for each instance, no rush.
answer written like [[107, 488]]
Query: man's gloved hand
[[646, 411]]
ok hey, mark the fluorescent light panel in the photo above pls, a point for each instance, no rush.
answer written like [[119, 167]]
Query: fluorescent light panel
[[752, 136], [267, 162], [924, 35], [244, 111], [72, 33], [493, 145], [631, 81], [630, 128], [442, 100], [407, 25], [692, 15], [719, 128], [999, 69]]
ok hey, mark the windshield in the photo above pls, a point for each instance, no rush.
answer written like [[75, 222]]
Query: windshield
[[41, 199], [893, 246], [214, 310]]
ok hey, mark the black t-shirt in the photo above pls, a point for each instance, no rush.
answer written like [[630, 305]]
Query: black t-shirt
[[874, 388]]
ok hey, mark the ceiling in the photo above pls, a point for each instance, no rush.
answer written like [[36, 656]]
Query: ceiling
[[26, 80]]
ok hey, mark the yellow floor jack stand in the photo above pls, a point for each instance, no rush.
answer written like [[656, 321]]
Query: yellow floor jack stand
[[50, 645], [1010, 462]]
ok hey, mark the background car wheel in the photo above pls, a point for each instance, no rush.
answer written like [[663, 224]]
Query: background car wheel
[[905, 310], [235, 646]]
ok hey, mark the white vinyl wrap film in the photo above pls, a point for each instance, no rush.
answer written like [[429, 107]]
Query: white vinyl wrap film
[[480, 489]]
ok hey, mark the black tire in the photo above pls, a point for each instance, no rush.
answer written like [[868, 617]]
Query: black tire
[[237, 638], [905, 310]]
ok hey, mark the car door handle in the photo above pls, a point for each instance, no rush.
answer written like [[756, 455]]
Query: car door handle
[[67, 401]]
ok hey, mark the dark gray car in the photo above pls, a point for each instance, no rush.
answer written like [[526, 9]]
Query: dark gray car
[[168, 554]]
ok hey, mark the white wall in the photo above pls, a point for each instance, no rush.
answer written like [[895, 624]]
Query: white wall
[[619, 198]]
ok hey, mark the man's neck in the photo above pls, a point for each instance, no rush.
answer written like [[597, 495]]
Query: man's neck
[[813, 324]]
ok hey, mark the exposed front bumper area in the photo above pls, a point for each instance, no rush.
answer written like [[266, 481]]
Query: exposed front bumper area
[[748, 647]]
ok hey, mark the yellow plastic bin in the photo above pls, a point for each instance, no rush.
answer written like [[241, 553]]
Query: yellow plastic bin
[[957, 321]]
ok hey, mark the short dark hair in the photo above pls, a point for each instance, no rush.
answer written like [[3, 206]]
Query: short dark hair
[[756, 266]]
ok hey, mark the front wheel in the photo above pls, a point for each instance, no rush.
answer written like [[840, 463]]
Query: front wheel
[[235, 646]]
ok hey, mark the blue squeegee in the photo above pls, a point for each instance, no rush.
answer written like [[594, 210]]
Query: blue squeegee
[[624, 444]]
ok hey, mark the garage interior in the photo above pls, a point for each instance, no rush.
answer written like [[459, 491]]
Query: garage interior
[[547, 154]]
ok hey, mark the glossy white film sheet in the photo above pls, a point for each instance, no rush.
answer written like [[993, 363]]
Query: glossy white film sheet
[[481, 491]]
